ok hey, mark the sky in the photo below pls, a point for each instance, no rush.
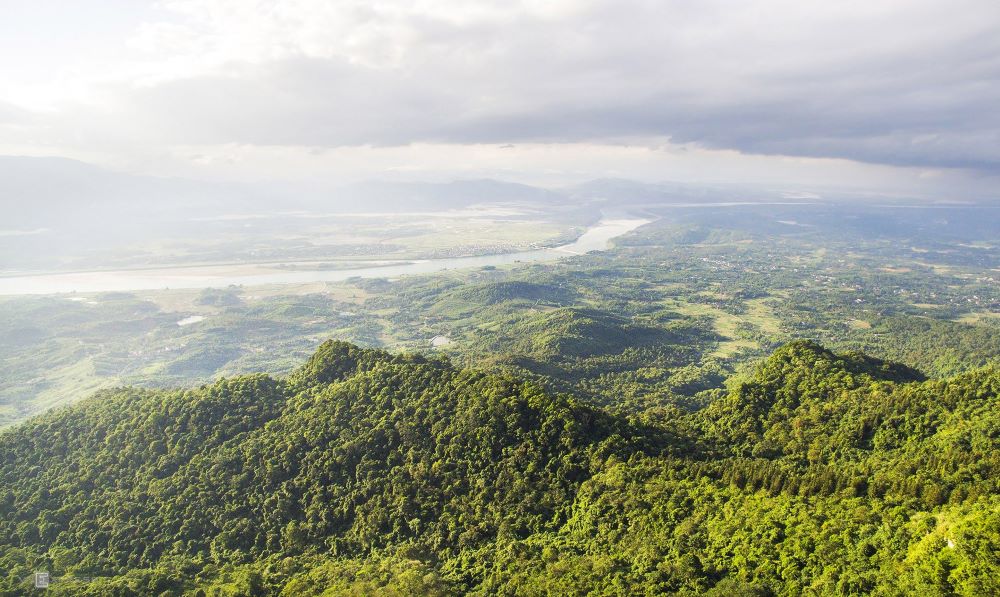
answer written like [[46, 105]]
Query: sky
[[891, 95]]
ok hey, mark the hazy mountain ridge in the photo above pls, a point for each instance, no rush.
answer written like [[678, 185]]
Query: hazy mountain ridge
[[36, 189]]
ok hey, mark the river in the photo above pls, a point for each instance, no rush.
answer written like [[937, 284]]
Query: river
[[596, 238]]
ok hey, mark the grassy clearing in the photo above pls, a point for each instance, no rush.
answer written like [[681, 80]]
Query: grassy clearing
[[760, 312], [978, 317], [724, 324]]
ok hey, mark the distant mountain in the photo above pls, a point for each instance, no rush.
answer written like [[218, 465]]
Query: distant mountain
[[55, 209], [58, 210], [405, 196], [46, 191], [41, 191], [622, 191]]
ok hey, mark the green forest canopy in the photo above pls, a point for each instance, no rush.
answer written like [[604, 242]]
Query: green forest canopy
[[365, 471]]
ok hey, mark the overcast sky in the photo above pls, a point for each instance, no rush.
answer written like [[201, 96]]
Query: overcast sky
[[892, 94]]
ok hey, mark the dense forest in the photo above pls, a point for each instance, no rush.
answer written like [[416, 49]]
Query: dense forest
[[368, 472]]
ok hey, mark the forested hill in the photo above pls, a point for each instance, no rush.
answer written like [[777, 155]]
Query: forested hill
[[366, 472]]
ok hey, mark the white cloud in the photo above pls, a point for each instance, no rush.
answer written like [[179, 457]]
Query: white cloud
[[906, 83]]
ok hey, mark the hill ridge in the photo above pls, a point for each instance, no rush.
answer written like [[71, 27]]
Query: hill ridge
[[363, 464]]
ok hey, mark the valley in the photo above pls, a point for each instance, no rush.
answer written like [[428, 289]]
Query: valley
[[713, 288]]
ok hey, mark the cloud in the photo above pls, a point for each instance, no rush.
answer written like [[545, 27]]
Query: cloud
[[12, 115], [906, 83]]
